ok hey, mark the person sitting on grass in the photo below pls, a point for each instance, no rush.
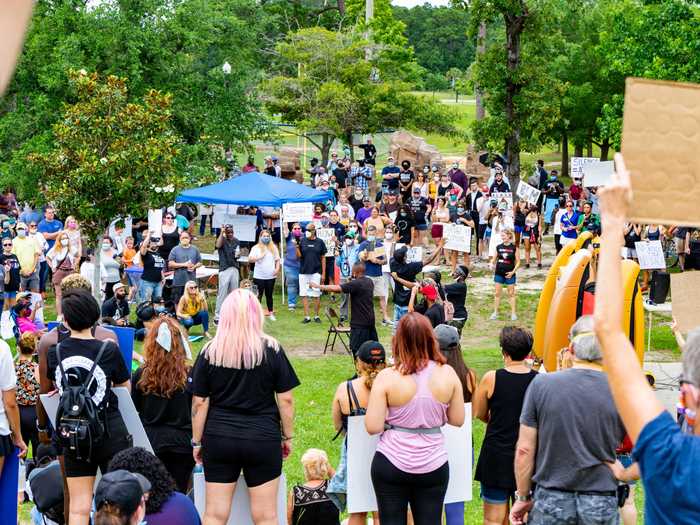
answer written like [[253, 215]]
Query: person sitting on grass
[[192, 308], [26, 317], [308, 504]]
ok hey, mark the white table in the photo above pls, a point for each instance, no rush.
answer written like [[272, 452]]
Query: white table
[[665, 308]]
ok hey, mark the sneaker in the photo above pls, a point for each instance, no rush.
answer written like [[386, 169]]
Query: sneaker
[[494, 316], [306, 320], [216, 321], [317, 319], [527, 265], [513, 317], [539, 266], [272, 317]]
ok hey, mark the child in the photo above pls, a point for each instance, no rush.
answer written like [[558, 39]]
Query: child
[[309, 504]]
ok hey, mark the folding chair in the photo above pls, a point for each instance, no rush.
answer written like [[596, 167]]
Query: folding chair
[[340, 333]]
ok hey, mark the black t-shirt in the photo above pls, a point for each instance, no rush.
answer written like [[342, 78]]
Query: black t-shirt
[[419, 207], [370, 151], [341, 176], [242, 402], [356, 204], [312, 251], [361, 302], [13, 262], [153, 265], [227, 254], [457, 295], [406, 177], [436, 314], [404, 225], [339, 229], [115, 308], [408, 272], [168, 421], [505, 258], [78, 356]]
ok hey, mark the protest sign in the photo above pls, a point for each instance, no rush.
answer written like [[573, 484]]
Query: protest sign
[[126, 409], [457, 237], [684, 299], [413, 253], [243, 226], [501, 197], [361, 449], [660, 145], [650, 255], [598, 173], [298, 211], [327, 235], [155, 222], [240, 505], [528, 193], [577, 164], [125, 339], [222, 214]]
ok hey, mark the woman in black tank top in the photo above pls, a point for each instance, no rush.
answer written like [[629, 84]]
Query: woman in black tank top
[[498, 401]]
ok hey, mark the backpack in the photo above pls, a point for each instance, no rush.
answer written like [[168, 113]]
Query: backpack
[[80, 423], [449, 310]]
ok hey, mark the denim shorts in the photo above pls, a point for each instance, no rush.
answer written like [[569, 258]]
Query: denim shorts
[[554, 506], [502, 279], [494, 495]]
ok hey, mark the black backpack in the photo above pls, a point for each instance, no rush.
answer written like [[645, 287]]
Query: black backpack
[[80, 423]]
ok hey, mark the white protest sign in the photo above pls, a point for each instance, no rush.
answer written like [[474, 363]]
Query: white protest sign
[[457, 237], [240, 506], [155, 222], [390, 248], [243, 226], [528, 193], [501, 197], [361, 449], [126, 409], [414, 253], [298, 211], [327, 235], [577, 164], [598, 173], [650, 255], [222, 214]]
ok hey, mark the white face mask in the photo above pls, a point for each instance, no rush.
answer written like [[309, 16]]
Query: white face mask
[[389, 236], [348, 242], [106, 246], [309, 235]]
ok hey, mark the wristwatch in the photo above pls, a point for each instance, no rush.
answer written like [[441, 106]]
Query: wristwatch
[[195, 444], [518, 497]]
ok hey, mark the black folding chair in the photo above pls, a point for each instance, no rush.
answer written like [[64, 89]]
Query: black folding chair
[[336, 332]]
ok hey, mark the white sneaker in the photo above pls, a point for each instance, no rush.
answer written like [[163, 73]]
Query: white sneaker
[[513, 317], [272, 317], [494, 316]]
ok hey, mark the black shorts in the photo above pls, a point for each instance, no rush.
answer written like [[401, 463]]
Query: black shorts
[[6, 446], [361, 335], [260, 461], [481, 231], [101, 456]]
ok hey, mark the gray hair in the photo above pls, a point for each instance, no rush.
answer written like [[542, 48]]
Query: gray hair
[[691, 357], [583, 340]]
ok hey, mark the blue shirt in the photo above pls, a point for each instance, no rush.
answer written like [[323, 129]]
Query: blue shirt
[[177, 510], [290, 253], [53, 226], [371, 269], [669, 461], [347, 257], [567, 221]]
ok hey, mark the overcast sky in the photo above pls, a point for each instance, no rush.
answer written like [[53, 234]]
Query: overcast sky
[[412, 3]]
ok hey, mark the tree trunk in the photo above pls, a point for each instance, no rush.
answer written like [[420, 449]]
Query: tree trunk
[[341, 7], [605, 149], [564, 155], [351, 145], [589, 145], [578, 150], [97, 275], [326, 143], [480, 50], [514, 28]]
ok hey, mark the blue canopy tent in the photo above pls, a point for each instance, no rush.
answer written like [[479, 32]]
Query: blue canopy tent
[[255, 189]]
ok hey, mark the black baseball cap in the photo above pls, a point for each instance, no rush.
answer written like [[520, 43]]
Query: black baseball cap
[[123, 489], [371, 352]]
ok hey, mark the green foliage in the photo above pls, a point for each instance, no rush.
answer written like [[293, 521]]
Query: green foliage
[[110, 154]]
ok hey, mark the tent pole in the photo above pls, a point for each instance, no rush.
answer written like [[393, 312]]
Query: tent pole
[[283, 241]]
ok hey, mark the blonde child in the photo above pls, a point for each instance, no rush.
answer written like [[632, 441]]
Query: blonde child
[[308, 504]]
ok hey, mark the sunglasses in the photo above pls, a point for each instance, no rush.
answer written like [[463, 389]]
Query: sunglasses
[[169, 217], [7, 244]]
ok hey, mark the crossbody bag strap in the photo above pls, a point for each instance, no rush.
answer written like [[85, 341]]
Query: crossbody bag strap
[[352, 399], [428, 430]]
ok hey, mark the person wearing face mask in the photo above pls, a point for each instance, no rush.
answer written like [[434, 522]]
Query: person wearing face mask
[[356, 200], [28, 252], [404, 275], [110, 261], [420, 208], [474, 200], [406, 179], [116, 309], [151, 286], [62, 259], [345, 259], [291, 264], [311, 252], [228, 248], [184, 259], [461, 217], [405, 223], [446, 188], [266, 258], [373, 254], [390, 175], [74, 236], [345, 208]]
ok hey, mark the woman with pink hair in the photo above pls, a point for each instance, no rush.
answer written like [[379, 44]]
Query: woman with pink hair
[[242, 411]]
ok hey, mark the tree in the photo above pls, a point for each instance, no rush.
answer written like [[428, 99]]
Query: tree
[[111, 157], [459, 81]]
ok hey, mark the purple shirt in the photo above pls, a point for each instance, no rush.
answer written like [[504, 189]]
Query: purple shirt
[[178, 510], [458, 177], [362, 214]]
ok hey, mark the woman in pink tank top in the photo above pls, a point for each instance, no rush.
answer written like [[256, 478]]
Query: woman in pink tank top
[[408, 405]]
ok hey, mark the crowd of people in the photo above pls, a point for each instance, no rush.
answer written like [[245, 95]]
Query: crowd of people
[[560, 447]]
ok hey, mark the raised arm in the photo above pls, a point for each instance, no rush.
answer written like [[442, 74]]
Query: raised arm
[[633, 397]]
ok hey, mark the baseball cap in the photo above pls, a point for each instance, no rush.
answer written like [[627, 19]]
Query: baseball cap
[[118, 286], [429, 291], [447, 336], [123, 489], [371, 352], [416, 190]]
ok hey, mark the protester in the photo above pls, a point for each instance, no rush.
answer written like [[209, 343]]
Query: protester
[[505, 264], [192, 308], [68, 366], [457, 176], [569, 429], [498, 402], [309, 504], [28, 252], [462, 218], [25, 316], [431, 307], [165, 505], [408, 405], [120, 499], [311, 252], [633, 234], [184, 259], [351, 398], [532, 235], [291, 265], [499, 185], [456, 294], [373, 253], [74, 236], [668, 455], [49, 226], [111, 264], [151, 287], [345, 260], [557, 213], [132, 267], [553, 190], [362, 177], [228, 248], [27, 391], [474, 201], [404, 274], [11, 268], [369, 150], [266, 258], [242, 411]]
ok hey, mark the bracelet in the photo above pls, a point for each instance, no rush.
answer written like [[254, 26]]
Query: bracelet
[[195, 444], [287, 438], [40, 429]]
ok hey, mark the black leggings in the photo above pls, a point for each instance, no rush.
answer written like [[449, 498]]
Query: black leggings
[[266, 286], [395, 489], [27, 421], [180, 466]]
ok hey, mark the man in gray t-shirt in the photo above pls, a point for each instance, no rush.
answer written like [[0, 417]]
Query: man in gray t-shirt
[[184, 259], [569, 429]]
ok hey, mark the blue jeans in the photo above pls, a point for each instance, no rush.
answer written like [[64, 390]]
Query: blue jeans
[[203, 224], [553, 506], [292, 276], [43, 275], [454, 513], [201, 317], [399, 312], [149, 290]]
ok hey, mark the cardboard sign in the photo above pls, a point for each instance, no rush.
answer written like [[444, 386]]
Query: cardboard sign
[[243, 226], [598, 173], [684, 299], [501, 197], [327, 235], [528, 193], [660, 138], [650, 255], [457, 237], [155, 222], [361, 449], [126, 409], [240, 506], [125, 340], [577, 164], [298, 211]]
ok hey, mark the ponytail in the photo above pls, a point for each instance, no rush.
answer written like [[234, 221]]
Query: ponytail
[[110, 514], [369, 372]]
